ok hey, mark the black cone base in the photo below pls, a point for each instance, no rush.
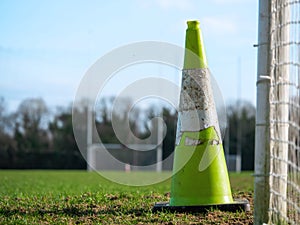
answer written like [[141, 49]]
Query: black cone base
[[238, 205]]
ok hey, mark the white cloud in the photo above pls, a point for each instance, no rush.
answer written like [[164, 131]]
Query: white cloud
[[177, 4], [218, 25], [230, 1], [167, 4]]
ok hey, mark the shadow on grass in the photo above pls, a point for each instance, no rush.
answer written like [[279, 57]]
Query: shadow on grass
[[117, 215], [77, 212], [73, 211]]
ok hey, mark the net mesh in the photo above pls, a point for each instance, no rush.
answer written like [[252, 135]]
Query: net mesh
[[285, 112]]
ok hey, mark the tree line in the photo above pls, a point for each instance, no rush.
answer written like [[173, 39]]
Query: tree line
[[37, 137]]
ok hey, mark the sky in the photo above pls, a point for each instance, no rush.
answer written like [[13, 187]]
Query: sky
[[46, 47]]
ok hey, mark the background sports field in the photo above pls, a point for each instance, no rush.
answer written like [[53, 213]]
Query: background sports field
[[79, 197]]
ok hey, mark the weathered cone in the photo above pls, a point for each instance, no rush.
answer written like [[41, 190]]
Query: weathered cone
[[200, 178]]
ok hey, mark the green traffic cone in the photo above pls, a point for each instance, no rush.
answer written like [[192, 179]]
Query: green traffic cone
[[200, 178]]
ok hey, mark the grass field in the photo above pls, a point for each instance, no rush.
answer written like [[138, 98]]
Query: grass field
[[79, 197]]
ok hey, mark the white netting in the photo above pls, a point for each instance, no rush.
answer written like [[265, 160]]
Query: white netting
[[285, 112]]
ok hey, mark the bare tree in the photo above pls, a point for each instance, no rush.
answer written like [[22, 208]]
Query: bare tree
[[31, 125]]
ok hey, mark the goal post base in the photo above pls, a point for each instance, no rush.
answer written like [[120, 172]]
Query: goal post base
[[237, 205]]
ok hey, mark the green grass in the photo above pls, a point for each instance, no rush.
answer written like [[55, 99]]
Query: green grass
[[79, 197]]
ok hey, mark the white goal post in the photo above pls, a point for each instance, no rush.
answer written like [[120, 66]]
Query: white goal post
[[277, 144]]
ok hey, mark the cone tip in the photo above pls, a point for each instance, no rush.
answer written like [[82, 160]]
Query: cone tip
[[193, 24]]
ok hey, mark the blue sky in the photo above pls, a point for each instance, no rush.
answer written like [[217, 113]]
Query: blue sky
[[47, 46]]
